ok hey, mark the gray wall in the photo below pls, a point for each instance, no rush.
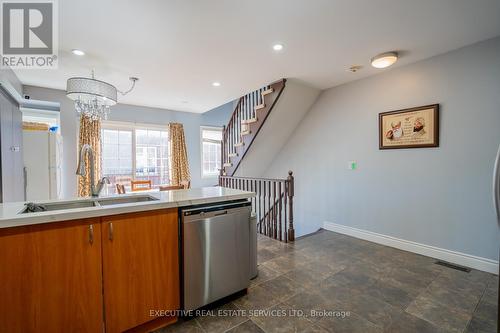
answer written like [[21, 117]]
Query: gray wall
[[218, 116], [129, 113], [8, 75], [435, 196]]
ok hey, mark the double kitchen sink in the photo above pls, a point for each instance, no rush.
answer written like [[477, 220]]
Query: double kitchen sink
[[86, 203]]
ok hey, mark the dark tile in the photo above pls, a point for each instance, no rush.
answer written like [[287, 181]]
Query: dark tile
[[375, 310], [310, 274], [284, 319], [478, 325], [308, 302], [352, 278], [473, 275], [413, 259], [265, 274], [490, 295], [444, 317], [333, 294], [265, 254], [286, 263], [406, 280], [379, 259], [465, 301], [189, 326], [459, 283], [487, 311], [256, 298], [428, 270], [246, 327], [493, 283], [374, 283], [281, 288], [410, 324], [328, 255], [224, 318], [281, 248], [390, 294], [372, 270], [352, 323], [305, 278]]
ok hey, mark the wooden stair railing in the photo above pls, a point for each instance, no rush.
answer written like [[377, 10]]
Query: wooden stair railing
[[245, 123], [272, 205]]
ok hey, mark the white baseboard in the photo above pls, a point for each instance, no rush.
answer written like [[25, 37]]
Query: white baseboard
[[463, 259]]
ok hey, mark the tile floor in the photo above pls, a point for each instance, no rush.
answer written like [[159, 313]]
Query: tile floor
[[328, 282]]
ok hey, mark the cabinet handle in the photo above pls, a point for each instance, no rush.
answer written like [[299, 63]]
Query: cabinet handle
[[91, 234], [111, 231]]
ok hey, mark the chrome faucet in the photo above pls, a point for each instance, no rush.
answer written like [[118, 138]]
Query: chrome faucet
[[81, 170]]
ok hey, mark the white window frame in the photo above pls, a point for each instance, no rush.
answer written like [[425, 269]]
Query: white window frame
[[210, 128], [126, 126]]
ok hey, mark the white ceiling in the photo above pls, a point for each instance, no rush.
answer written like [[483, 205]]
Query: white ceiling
[[178, 48]]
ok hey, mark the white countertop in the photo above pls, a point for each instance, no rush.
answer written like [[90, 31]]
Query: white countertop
[[10, 212]]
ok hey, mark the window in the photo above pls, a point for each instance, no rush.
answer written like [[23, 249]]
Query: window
[[211, 138], [134, 152]]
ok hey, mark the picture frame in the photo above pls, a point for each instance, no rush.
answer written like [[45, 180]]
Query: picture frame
[[416, 127]]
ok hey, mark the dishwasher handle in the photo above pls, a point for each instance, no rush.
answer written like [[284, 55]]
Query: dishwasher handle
[[223, 213], [215, 208]]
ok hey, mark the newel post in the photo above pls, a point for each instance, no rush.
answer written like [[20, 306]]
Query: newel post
[[291, 230], [222, 152]]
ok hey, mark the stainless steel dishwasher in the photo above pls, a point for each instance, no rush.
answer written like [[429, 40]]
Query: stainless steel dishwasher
[[216, 252]]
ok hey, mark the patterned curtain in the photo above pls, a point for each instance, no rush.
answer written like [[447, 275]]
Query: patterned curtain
[[178, 155], [90, 133]]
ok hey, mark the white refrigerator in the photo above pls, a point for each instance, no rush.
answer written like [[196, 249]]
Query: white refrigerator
[[42, 156]]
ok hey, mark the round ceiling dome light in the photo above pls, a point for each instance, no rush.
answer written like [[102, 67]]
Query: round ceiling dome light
[[384, 60], [216, 84], [78, 52], [278, 47]]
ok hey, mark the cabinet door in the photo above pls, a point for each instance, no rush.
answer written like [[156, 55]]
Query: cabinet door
[[51, 278], [140, 267]]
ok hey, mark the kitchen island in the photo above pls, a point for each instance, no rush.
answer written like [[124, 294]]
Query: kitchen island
[[90, 263]]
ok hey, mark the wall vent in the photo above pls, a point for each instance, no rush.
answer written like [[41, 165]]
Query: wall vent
[[452, 266]]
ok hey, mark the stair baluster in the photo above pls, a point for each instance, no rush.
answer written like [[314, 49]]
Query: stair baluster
[[272, 205]]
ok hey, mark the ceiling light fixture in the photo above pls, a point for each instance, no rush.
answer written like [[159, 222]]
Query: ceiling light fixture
[[216, 84], [278, 47], [384, 60], [93, 98], [78, 52]]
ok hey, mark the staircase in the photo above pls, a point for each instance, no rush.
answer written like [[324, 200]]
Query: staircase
[[259, 127], [246, 121]]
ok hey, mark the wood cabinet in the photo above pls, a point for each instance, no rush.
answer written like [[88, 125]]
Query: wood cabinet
[[50, 278], [86, 275], [140, 267]]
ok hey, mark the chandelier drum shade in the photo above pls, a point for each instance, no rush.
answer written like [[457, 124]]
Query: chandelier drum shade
[[93, 98]]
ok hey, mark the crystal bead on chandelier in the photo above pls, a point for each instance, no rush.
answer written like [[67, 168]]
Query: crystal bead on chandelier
[[93, 98]]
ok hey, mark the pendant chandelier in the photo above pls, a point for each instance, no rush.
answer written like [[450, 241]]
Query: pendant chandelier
[[93, 98]]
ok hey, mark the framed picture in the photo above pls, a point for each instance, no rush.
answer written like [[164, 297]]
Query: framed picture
[[409, 128]]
